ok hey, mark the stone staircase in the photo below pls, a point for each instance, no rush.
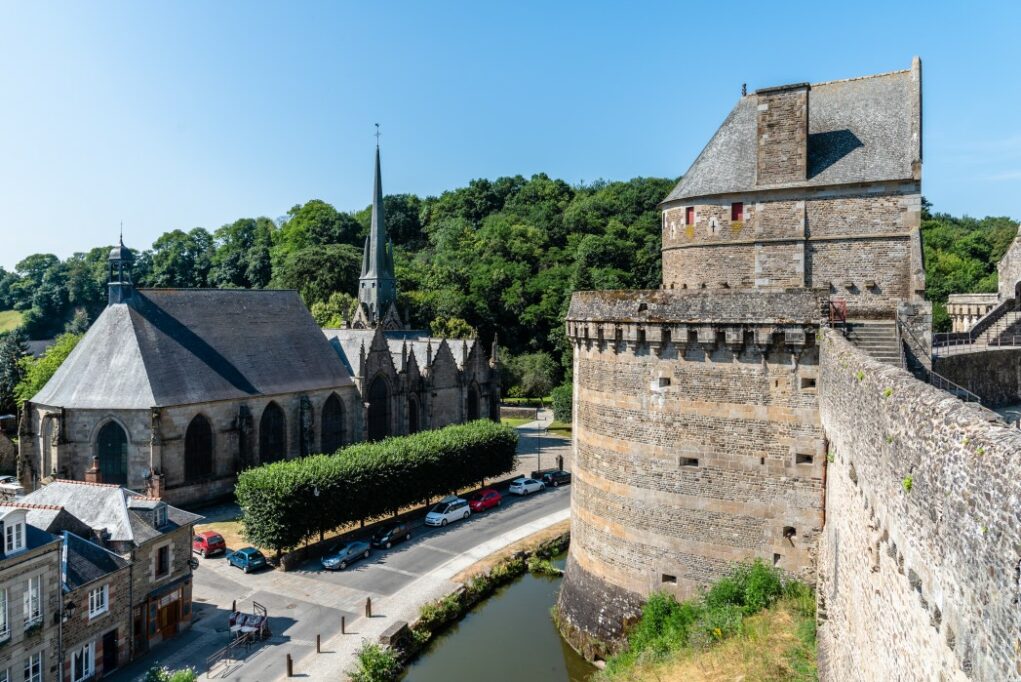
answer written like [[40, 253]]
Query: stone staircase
[[1005, 331], [878, 339]]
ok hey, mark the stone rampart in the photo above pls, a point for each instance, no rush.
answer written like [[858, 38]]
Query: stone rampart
[[920, 558], [994, 374]]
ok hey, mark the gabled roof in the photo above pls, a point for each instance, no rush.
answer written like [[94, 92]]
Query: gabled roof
[[860, 130], [86, 561], [106, 507], [348, 344], [34, 537], [182, 346]]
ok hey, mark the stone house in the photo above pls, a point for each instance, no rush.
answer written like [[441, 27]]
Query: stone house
[[698, 437], [30, 599], [153, 537], [96, 622]]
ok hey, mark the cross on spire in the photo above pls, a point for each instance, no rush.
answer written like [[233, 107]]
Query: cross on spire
[[377, 136]]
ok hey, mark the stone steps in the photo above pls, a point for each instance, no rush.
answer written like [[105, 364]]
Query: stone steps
[[878, 339]]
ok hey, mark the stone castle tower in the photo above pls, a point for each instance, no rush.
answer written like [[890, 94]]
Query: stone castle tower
[[698, 439]]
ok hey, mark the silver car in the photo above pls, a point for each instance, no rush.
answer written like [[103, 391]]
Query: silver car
[[526, 486], [340, 556], [448, 509]]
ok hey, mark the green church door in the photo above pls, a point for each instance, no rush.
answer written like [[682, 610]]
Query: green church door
[[112, 446]]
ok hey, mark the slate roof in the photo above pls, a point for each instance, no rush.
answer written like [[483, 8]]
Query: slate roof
[[348, 343], [86, 561], [105, 507], [34, 537], [860, 130], [181, 346]]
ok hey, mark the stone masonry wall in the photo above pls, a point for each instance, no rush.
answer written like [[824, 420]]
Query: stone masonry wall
[[994, 375], [920, 558], [782, 135], [1009, 270]]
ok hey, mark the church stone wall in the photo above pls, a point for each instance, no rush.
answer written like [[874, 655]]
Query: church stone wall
[[920, 559], [696, 446]]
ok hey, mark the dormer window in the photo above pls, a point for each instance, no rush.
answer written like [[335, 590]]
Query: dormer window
[[160, 516], [14, 537]]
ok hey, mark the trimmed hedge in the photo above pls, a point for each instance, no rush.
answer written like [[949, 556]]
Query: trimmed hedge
[[280, 508]]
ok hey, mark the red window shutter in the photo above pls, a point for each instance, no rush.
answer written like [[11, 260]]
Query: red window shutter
[[689, 215], [737, 211]]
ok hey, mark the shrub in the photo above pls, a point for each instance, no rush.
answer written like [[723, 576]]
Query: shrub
[[376, 664], [280, 508], [163, 674], [562, 397], [539, 566]]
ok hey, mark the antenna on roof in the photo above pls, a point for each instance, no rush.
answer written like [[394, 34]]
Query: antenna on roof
[[377, 136], [744, 89], [122, 233]]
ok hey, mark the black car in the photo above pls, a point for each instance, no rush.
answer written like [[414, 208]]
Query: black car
[[556, 478], [390, 534]]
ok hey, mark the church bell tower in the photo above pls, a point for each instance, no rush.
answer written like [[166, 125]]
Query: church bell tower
[[377, 286]]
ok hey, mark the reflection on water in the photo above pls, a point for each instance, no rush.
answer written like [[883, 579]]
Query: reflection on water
[[509, 636]]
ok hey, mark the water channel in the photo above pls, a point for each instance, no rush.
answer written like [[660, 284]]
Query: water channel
[[509, 636]]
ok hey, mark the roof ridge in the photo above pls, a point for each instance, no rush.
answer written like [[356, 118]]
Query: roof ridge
[[32, 505], [98, 485], [862, 78]]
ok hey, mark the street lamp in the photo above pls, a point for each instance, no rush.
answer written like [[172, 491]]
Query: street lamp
[[319, 513]]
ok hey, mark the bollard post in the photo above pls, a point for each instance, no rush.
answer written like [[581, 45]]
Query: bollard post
[[319, 644], [343, 624], [368, 607], [290, 666], [234, 606]]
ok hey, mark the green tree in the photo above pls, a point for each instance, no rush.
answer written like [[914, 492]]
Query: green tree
[[318, 271], [336, 310], [37, 372], [531, 375], [451, 328], [13, 349], [182, 259]]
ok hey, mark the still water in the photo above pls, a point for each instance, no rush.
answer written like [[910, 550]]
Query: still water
[[509, 636]]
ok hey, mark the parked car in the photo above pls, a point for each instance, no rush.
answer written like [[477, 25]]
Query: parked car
[[247, 559], [525, 486], [487, 498], [448, 509], [556, 478], [387, 535], [340, 556], [8, 480], [207, 543]]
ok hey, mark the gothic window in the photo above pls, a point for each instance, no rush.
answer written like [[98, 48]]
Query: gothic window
[[379, 409], [112, 450], [473, 402], [332, 436], [413, 425], [198, 449], [272, 435]]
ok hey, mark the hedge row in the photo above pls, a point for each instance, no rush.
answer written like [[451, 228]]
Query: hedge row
[[280, 508]]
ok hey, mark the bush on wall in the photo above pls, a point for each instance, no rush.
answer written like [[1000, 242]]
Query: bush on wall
[[280, 508]]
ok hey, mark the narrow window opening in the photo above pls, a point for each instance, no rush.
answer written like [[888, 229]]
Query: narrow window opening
[[737, 212], [789, 532], [762, 460], [776, 559], [663, 382], [689, 215], [641, 336], [688, 461], [803, 459], [807, 383], [669, 579]]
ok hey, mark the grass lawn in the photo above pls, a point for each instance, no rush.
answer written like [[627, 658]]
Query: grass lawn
[[560, 428], [515, 421], [9, 319]]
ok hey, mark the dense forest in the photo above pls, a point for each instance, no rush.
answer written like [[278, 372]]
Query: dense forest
[[498, 256]]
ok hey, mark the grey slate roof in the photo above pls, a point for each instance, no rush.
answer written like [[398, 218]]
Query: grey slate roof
[[86, 561], [348, 343], [105, 507], [860, 130], [181, 346]]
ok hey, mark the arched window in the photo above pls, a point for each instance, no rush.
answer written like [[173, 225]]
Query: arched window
[[332, 436], [272, 435], [379, 409], [112, 450], [198, 449], [413, 414], [473, 402]]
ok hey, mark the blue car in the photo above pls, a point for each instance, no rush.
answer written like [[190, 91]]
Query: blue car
[[247, 559], [338, 557]]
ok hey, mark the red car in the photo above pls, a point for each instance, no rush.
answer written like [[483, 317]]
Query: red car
[[208, 543], [487, 498]]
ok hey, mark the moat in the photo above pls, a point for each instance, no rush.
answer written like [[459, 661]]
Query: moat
[[511, 635]]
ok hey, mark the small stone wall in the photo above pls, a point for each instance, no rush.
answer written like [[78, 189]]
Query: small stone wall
[[920, 558], [993, 375], [507, 412]]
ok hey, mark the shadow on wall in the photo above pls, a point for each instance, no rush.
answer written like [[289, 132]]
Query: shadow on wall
[[825, 149]]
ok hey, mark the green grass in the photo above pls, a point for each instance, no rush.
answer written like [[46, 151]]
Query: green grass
[[9, 320], [515, 421], [560, 428]]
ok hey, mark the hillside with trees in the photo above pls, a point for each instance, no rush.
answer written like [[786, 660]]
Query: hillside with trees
[[495, 257]]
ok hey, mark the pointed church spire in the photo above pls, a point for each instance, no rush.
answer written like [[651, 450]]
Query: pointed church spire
[[377, 287]]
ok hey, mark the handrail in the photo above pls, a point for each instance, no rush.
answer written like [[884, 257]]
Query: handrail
[[941, 382], [985, 324]]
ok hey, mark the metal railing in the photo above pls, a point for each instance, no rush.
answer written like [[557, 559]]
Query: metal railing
[[941, 382], [985, 333]]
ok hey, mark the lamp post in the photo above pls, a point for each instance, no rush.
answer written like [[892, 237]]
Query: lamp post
[[319, 513], [538, 454]]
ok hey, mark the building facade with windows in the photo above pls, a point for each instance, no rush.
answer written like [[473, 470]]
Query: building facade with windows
[[30, 592]]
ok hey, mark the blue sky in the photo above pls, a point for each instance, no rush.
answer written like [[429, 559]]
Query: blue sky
[[181, 114]]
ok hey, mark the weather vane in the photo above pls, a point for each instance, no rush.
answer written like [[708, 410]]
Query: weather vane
[[377, 135]]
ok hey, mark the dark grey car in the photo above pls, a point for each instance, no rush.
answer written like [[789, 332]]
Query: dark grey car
[[340, 556]]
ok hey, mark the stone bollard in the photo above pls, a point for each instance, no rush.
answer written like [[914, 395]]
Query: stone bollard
[[368, 607], [290, 666], [343, 625], [319, 642]]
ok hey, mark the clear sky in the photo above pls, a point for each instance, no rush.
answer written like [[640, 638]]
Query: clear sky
[[182, 114]]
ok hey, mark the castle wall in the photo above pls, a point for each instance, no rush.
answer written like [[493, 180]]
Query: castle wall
[[994, 374], [1009, 270], [695, 446], [920, 558]]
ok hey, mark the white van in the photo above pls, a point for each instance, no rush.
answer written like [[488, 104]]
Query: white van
[[448, 509]]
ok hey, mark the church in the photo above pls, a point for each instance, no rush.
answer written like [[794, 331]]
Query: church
[[172, 392]]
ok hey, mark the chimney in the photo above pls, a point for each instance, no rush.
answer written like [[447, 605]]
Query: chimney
[[93, 475], [782, 134]]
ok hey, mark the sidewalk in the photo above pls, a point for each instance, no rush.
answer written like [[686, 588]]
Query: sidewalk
[[338, 653]]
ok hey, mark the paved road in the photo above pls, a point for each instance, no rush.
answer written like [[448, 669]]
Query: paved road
[[310, 600]]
